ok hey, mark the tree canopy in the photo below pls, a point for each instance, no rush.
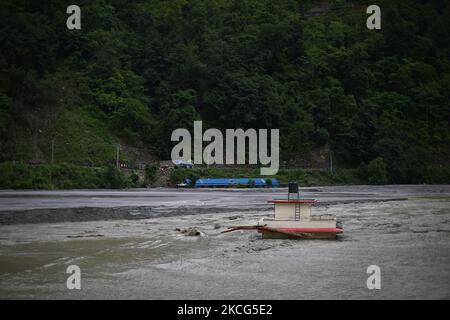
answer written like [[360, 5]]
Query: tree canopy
[[139, 69]]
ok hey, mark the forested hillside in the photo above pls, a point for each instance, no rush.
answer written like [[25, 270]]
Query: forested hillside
[[139, 69]]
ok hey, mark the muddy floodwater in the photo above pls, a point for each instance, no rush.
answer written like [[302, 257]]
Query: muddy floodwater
[[127, 245]]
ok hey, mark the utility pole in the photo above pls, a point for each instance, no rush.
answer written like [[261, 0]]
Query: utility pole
[[117, 156]]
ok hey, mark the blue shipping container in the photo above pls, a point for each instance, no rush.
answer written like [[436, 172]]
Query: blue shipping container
[[230, 182]]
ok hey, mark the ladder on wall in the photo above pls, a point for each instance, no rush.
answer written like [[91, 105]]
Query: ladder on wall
[[297, 211], [293, 189]]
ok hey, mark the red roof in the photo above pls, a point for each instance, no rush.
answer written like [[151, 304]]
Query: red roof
[[311, 230], [293, 201]]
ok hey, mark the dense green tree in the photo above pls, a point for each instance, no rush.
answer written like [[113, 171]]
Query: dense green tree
[[377, 171], [139, 69]]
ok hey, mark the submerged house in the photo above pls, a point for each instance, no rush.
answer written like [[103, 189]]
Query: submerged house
[[293, 219]]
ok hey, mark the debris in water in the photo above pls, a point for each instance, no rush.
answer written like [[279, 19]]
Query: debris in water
[[191, 231]]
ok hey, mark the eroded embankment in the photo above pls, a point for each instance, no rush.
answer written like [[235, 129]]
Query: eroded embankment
[[55, 215]]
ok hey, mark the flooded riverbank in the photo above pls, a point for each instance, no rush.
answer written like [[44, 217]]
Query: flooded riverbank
[[149, 259]]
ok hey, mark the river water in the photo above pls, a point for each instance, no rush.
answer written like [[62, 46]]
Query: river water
[[148, 258]]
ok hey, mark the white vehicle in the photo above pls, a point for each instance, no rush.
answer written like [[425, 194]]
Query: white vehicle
[[185, 184], [183, 164]]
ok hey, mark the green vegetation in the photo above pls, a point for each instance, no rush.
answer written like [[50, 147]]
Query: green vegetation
[[151, 174], [437, 175], [114, 178], [377, 171], [139, 69], [62, 176]]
